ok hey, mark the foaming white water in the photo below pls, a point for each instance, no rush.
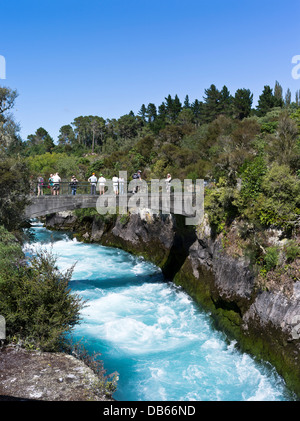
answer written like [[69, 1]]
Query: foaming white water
[[152, 333]]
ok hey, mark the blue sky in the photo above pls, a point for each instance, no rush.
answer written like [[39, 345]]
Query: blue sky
[[79, 57]]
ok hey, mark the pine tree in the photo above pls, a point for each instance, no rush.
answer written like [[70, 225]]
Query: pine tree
[[288, 98], [266, 101], [212, 104], [242, 103], [297, 98], [278, 99], [177, 107], [143, 112], [151, 112], [173, 108], [198, 110], [226, 101], [186, 103]]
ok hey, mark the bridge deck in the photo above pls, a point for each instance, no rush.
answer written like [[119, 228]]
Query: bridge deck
[[165, 203]]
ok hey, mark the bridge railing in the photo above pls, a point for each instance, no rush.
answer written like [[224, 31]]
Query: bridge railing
[[84, 188]]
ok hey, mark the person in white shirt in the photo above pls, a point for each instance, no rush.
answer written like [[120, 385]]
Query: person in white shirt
[[115, 181], [101, 182], [93, 181], [56, 180], [168, 183]]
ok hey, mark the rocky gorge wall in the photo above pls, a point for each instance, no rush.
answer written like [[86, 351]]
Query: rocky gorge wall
[[263, 321]]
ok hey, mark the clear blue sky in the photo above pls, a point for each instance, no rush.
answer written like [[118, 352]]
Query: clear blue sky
[[107, 57]]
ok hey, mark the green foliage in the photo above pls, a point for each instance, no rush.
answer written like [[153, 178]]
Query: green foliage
[[14, 188], [36, 300], [291, 251], [271, 258], [279, 202], [296, 117], [242, 103], [283, 147], [10, 252], [266, 101], [251, 178], [64, 164], [95, 167], [220, 206]]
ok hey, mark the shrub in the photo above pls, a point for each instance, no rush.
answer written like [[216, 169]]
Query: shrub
[[291, 250], [36, 300], [14, 188], [220, 206], [271, 258]]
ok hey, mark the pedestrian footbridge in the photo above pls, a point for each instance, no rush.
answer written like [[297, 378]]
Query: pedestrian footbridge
[[188, 204]]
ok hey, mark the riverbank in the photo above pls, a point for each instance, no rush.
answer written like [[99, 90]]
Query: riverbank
[[46, 376], [260, 317]]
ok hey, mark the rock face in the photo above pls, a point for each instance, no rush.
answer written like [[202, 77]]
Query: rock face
[[30, 375], [264, 322]]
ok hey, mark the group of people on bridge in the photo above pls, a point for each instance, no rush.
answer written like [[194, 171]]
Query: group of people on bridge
[[54, 184]]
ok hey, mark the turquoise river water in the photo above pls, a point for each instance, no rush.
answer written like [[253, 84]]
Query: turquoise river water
[[152, 333]]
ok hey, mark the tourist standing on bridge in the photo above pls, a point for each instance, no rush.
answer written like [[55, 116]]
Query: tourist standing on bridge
[[101, 182], [137, 176], [50, 181], [115, 181], [93, 181], [73, 185], [168, 183], [56, 180], [40, 184]]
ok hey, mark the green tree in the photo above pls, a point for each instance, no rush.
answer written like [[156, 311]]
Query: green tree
[[14, 191], [127, 126], [242, 103], [40, 142], [143, 112], [10, 141], [212, 104], [297, 98], [266, 101], [82, 130], [198, 111], [173, 108], [288, 98], [283, 145], [151, 112], [226, 101], [7, 100], [97, 126], [278, 97], [185, 117], [186, 103], [66, 135]]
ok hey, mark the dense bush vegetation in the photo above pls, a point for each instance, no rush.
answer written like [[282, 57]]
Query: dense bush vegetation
[[35, 297]]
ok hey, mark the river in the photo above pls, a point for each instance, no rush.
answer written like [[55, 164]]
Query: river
[[152, 333]]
